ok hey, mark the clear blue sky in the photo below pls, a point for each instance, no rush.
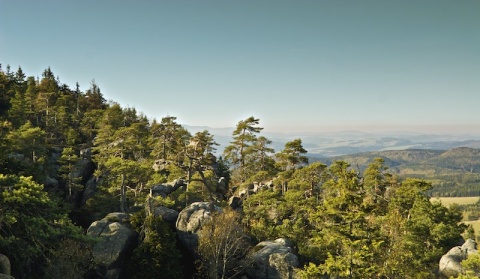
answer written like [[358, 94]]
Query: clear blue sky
[[297, 65]]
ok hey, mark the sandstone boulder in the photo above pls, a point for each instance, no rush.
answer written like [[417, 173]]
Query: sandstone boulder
[[90, 189], [190, 221], [168, 215], [272, 260], [4, 265], [115, 241], [450, 264], [166, 189]]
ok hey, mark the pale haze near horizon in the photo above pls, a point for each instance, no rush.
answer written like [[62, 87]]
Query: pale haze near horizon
[[300, 66]]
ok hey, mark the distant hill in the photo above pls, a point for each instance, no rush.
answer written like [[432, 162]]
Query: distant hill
[[450, 161], [454, 172]]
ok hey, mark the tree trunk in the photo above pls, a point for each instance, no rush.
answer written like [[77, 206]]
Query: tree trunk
[[123, 198]]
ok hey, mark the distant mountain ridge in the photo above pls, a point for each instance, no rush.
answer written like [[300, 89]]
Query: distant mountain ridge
[[451, 162], [330, 144]]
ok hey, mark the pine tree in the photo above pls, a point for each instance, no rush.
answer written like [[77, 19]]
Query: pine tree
[[244, 136]]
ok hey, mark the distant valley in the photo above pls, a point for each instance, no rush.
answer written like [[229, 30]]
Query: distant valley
[[331, 144], [450, 162]]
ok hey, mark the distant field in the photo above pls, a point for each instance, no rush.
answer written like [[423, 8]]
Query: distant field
[[458, 200], [463, 201]]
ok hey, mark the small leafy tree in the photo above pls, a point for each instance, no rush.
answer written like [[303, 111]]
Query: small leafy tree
[[222, 245]]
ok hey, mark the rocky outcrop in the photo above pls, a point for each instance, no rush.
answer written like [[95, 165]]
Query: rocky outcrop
[[450, 264], [4, 266], [89, 190], [166, 189], [51, 183], [236, 201], [115, 241], [190, 221], [168, 215], [160, 165], [272, 260]]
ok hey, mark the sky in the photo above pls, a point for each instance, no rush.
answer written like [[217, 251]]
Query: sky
[[297, 65]]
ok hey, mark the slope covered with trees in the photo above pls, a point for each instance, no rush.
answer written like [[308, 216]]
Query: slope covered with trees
[[453, 173], [343, 223]]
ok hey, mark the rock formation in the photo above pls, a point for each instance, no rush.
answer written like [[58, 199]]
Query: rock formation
[[5, 270], [190, 221], [272, 260], [115, 241], [166, 189], [450, 263], [168, 215]]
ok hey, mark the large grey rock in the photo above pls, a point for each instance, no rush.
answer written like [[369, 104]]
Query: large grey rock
[[450, 264], [6, 276], [115, 241], [84, 170], [50, 182], [4, 265], [470, 247], [167, 214], [166, 189], [190, 221], [90, 189], [272, 260]]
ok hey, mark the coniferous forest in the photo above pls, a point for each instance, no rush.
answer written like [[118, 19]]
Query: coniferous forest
[[91, 189]]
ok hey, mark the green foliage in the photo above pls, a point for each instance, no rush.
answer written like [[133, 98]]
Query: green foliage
[[290, 157], [71, 259], [348, 226], [471, 267], [243, 150], [260, 216], [68, 160], [157, 256], [28, 144], [453, 173], [168, 139], [380, 225], [31, 224]]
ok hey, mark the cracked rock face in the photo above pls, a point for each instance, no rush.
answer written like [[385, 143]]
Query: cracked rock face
[[115, 240], [190, 221], [272, 260]]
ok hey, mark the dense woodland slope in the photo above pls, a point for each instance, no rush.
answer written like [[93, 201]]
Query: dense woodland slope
[[453, 173], [78, 174]]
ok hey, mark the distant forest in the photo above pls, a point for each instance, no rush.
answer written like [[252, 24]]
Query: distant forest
[[453, 173], [69, 158]]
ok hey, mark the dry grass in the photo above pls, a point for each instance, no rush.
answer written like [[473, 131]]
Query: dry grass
[[458, 200], [476, 226]]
